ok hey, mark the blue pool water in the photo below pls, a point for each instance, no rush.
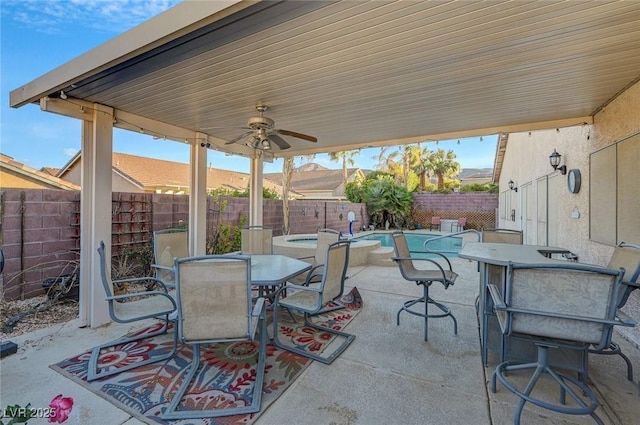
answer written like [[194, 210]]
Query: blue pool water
[[416, 242]]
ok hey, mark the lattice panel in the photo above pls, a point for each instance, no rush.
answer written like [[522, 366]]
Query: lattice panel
[[475, 220]]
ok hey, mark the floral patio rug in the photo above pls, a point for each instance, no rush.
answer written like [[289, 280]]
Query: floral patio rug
[[227, 376]]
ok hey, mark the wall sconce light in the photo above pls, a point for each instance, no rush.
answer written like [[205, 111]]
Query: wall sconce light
[[512, 185], [554, 160]]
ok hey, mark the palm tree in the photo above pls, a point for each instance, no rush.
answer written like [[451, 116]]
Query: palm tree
[[388, 163], [443, 165], [422, 166], [347, 158], [410, 158]]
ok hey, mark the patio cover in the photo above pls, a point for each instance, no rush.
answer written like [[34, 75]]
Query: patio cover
[[354, 74]]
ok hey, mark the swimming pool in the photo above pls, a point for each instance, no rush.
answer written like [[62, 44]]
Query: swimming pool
[[416, 242]]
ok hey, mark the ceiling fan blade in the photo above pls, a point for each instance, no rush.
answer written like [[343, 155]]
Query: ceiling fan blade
[[298, 135], [240, 137], [279, 141]]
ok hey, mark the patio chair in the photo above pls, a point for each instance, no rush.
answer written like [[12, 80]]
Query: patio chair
[[423, 277], [325, 237], [168, 244], [215, 306], [459, 225], [627, 256], [128, 308], [498, 236], [257, 240], [435, 223], [556, 307], [501, 236], [315, 299]]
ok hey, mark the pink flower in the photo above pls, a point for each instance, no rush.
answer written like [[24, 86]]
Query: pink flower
[[62, 407]]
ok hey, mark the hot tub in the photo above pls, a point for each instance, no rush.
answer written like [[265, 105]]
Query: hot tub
[[304, 245]]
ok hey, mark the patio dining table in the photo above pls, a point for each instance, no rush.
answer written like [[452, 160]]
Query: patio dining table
[[273, 270]]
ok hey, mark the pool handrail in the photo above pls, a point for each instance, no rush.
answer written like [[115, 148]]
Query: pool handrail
[[450, 235]]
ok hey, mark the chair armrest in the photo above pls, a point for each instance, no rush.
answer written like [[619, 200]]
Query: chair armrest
[[438, 265], [436, 253], [498, 302], [258, 307], [625, 320], [615, 322], [138, 294], [158, 266], [257, 314], [142, 279], [301, 287], [305, 258], [276, 295], [312, 273]]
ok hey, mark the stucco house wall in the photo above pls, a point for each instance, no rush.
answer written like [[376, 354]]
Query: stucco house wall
[[527, 159]]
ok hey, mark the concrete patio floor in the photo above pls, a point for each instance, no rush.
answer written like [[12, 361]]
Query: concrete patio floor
[[389, 375]]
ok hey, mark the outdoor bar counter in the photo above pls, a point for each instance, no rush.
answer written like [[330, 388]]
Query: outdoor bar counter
[[493, 259]]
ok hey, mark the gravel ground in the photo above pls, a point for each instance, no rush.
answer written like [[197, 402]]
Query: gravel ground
[[45, 312], [60, 311]]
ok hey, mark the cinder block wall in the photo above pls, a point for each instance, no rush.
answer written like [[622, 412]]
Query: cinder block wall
[[308, 216], [169, 210], [39, 235], [40, 229]]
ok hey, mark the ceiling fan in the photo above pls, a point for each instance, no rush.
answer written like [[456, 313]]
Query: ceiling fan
[[261, 133]]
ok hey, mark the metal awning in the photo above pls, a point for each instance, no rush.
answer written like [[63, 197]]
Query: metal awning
[[357, 74]]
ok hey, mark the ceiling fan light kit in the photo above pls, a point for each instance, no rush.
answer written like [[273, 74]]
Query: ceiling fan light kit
[[262, 134]]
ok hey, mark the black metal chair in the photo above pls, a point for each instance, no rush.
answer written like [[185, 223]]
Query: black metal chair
[[424, 277], [556, 307]]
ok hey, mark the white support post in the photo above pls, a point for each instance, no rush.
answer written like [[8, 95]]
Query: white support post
[[95, 213], [255, 191], [198, 197]]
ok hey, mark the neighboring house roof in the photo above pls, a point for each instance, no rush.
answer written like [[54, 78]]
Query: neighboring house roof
[[157, 174], [17, 175], [326, 179], [50, 170]]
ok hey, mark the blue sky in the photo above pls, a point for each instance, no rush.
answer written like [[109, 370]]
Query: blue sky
[[39, 35]]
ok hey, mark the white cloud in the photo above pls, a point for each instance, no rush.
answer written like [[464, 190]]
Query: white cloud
[[70, 151], [113, 16]]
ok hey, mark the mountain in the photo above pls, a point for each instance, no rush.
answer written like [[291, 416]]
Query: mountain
[[466, 173], [312, 166]]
